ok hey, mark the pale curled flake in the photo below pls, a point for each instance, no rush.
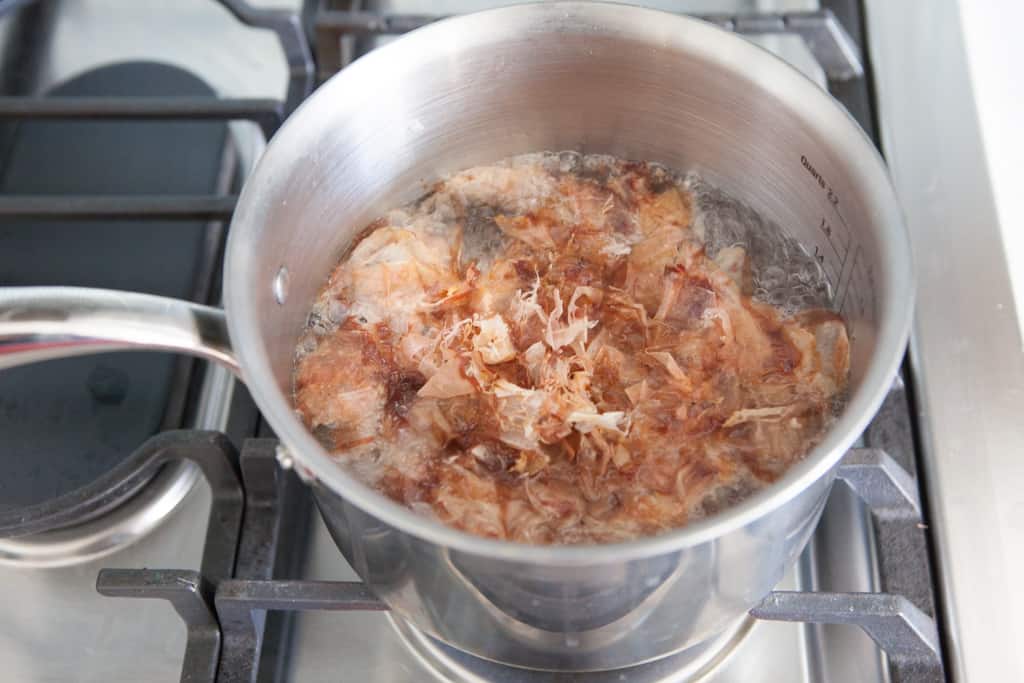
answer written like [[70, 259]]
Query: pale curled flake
[[534, 359], [335, 387], [757, 414], [691, 256], [440, 351], [593, 294], [558, 334], [451, 296], [659, 510], [552, 320], [613, 421], [456, 330], [493, 340], [502, 388], [518, 410], [525, 304], [428, 365], [447, 382], [395, 245], [606, 353], [753, 350], [803, 340]]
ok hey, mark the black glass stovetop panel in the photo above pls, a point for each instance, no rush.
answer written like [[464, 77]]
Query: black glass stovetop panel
[[63, 423]]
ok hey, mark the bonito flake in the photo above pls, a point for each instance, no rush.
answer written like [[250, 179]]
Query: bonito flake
[[545, 352]]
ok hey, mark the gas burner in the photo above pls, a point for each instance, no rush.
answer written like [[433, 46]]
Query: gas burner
[[449, 664]]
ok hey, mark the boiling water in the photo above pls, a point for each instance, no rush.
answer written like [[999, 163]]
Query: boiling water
[[785, 274], [519, 446]]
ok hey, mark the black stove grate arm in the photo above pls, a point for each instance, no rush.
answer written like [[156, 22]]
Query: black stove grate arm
[[276, 502], [891, 495], [880, 482], [906, 634], [827, 40], [240, 595], [288, 25], [189, 594], [291, 34], [242, 606], [267, 113], [119, 207], [901, 623]]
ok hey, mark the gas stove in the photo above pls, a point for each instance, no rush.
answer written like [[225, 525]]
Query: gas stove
[[169, 540]]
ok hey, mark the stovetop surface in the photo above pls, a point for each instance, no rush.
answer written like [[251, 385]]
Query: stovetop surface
[[61, 629]]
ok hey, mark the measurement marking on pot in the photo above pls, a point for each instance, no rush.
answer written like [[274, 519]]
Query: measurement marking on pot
[[828, 265], [859, 302], [820, 258], [849, 280], [849, 238], [839, 242], [833, 198], [840, 239]]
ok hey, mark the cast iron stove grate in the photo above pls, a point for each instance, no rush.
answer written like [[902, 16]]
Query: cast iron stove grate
[[256, 503]]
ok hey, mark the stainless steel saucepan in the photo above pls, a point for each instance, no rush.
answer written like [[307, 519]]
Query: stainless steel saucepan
[[634, 83]]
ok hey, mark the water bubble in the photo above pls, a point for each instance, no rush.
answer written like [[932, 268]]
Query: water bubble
[[784, 273]]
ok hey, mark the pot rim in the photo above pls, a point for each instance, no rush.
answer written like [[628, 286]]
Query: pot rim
[[670, 31]]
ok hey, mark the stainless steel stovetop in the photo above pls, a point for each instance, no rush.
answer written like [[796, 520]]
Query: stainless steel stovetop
[[57, 627]]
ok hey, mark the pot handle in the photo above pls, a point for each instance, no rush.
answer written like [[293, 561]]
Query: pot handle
[[43, 323]]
